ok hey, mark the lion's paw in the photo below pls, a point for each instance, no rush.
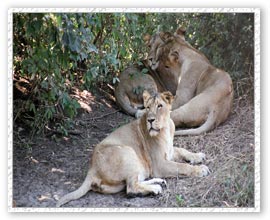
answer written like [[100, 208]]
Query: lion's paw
[[156, 181], [156, 189], [201, 171], [196, 158], [161, 182], [139, 113]]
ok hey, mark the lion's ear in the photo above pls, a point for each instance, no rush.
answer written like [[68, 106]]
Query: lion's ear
[[146, 96], [147, 38], [167, 97], [175, 54], [180, 32]]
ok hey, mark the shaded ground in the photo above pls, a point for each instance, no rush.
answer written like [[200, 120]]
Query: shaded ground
[[46, 168]]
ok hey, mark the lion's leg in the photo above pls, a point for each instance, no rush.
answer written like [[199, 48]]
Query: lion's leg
[[124, 102], [192, 114], [140, 113], [173, 169], [155, 180], [108, 189], [183, 154], [121, 164], [143, 188], [136, 187]]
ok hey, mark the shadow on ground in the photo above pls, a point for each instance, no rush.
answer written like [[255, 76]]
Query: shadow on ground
[[46, 168]]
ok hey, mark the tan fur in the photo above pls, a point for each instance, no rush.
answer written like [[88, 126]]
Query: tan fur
[[204, 93], [133, 82], [139, 150], [128, 92], [131, 79]]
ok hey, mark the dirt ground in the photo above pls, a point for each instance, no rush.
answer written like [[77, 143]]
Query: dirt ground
[[46, 168]]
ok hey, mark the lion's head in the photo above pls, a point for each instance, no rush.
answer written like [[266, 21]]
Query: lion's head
[[157, 42], [170, 58], [158, 108], [177, 55]]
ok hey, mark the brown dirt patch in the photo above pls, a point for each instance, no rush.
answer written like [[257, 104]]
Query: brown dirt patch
[[45, 168]]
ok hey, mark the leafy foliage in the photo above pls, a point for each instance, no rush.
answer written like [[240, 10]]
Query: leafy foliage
[[53, 52]]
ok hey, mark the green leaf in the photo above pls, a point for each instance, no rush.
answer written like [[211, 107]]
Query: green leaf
[[180, 200], [144, 71], [32, 107], [115, 79]]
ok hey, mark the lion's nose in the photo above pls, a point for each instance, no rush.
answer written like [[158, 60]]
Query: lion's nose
[[151, 120]]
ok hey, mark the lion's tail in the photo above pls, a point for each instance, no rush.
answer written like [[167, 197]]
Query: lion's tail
[[83, 189], [124, 103], [206, 126]]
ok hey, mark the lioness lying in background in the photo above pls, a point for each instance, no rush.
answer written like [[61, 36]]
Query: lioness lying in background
[[137, 151], [204, 93]]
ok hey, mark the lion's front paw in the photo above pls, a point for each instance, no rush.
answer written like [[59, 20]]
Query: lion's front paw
[[201, 171], [139, 113], [155, 181], [196, 158], [156, 189], [161, 182]]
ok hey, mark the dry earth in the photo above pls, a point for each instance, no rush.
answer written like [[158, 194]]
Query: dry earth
[[45, 168]]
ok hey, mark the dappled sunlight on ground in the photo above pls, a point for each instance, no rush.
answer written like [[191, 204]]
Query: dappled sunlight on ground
[[51, 167]]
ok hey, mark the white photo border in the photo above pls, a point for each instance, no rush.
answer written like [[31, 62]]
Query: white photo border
[[256, 12]]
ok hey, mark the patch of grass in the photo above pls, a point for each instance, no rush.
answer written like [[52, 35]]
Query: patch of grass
[[180, 200], [229, 150]]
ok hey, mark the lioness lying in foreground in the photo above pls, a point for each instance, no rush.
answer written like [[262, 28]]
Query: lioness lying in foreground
[[137, 151]]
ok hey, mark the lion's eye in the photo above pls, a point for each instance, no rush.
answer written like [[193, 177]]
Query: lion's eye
[[147, 108], [160, 106]]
